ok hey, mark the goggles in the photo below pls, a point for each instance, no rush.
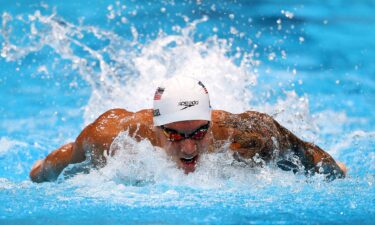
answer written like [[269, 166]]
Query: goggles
[[175, 136]]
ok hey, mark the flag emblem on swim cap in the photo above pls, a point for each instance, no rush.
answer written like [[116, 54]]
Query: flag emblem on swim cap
[[202, 85], [159, 92]]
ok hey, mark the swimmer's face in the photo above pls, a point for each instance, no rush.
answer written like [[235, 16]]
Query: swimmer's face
[[185, 151]]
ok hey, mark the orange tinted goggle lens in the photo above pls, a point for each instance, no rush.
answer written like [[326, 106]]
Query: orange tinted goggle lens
[[173, 135], [199, 134]]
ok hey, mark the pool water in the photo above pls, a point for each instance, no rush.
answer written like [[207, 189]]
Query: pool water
[[308, 64]]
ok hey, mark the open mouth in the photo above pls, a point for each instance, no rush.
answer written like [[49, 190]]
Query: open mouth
[[189, 160]]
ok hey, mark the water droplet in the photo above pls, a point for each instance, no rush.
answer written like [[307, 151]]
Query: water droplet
[[233, 30], [111, 15], [271, 56], [287, 14], [124, 20], [283, 54]]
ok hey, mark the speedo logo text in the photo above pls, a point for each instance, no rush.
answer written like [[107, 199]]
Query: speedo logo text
[[187, 104]]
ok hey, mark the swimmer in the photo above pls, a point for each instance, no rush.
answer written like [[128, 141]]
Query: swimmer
[[183, 124]]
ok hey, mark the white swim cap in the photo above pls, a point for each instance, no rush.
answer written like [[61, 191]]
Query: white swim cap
[[180, 99]]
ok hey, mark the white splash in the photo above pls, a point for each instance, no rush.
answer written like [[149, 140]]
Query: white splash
[[7, 144], [123, 76], [170, 55], [140, 164]]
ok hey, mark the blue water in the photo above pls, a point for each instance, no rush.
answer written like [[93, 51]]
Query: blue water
[[308, 64]]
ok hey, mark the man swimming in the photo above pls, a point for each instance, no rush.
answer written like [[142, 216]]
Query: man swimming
[[183, 124]]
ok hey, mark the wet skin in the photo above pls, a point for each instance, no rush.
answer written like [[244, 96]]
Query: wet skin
[[248, 135]]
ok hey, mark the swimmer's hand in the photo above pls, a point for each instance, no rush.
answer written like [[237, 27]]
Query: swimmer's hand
[[36, 171], [49, 168], [342, 167]]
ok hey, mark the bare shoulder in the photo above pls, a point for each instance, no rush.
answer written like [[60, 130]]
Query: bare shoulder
[[221, 113], [104, 129], [248, 133], [113, 116], [141, 126], [112, 122], [242, 120], [98, 136]]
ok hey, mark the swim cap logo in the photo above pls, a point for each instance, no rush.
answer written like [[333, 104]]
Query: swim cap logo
[[188, 104], [159, 92]]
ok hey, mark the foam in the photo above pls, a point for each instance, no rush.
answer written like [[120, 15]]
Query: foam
[[140, 164], [171, 55], [7, 145]]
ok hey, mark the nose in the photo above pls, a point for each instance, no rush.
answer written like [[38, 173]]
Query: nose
[[188, 147]]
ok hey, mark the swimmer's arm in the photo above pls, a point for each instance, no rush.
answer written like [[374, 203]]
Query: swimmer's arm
[[312, 157], [323, 162], [48, 169], [255, 133], [95, 141], [92, 138]]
